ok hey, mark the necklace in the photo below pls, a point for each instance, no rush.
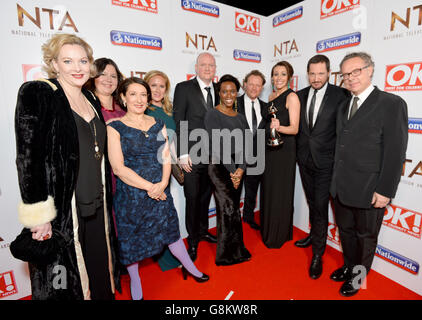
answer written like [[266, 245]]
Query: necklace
[[138, 126], [97, 153]]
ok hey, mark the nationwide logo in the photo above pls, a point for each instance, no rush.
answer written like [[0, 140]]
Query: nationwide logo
[[128, 39], [288, 16], [241, 55], [404, 220], [201, 7], [144, 5], [415, 125], [397, 259], [7, 284], [247, 23], [340, 42], [403, 77], [330, 8]]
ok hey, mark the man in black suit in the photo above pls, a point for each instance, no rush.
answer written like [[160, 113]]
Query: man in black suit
[[370, 152], [192, 99], [251, 107], [315, 152]]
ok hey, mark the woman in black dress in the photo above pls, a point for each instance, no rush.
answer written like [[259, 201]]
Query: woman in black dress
[[64, 175], [278, 180], [226, 171]]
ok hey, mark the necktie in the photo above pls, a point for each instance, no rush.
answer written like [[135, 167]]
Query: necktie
[[311, 111], [210, 104], [354, 107], [254, 120]]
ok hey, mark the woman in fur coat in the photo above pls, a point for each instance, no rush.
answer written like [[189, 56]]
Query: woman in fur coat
[[64, 175]]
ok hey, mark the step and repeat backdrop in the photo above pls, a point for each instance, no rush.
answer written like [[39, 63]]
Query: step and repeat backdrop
[[142, 35]]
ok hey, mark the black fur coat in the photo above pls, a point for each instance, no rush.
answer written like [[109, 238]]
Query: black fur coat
[[47, 162]]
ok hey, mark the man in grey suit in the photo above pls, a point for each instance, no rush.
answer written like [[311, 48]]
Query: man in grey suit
[[370, 151]]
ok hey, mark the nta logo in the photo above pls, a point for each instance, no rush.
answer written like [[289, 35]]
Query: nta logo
[[332, 7], [247, 23], [57, 19], [206, 45], [405, 21], [288, 45], [403, 77]]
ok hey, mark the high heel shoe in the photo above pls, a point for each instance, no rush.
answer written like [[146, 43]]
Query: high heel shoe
[[185, 274]]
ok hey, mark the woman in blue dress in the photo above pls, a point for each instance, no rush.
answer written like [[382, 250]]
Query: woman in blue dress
[[146, 219]]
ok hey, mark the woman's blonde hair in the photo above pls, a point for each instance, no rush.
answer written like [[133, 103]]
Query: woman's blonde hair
[[52, 47], [167, 105]]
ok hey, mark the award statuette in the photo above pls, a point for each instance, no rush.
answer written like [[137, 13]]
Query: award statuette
[[274, 139]]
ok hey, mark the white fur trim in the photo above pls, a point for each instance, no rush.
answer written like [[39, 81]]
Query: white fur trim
[[34, 214]]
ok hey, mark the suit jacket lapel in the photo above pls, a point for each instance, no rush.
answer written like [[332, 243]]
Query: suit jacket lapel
[[199, 93], [323, 103], [304, 117], [364, 107]]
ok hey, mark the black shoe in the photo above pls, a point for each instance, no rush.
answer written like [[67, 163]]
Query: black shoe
[[185, 274], [342, 274], [304, 243], [252, 224], [315, 270], [208, 237], [193, 252], [349, 288]]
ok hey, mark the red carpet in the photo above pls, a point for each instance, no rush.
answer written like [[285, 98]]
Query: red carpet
[[271, 274]]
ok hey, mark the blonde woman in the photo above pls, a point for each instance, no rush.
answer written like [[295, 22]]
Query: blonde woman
[[64, 176]]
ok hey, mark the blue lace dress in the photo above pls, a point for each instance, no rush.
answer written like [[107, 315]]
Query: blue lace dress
[[145, 226]]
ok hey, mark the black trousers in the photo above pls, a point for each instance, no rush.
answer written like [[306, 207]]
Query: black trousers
[[251, 184], [358, 229], [316, 184], [197, 189]]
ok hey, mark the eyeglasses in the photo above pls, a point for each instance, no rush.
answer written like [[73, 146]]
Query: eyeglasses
[[355, 73]]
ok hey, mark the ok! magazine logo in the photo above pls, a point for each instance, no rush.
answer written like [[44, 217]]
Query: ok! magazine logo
[[330, 8], [143, 5], [246, 23], [403, 77], [404, 220]]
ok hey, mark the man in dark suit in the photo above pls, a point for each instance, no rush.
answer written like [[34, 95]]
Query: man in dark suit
[[315, 152], [192, 99], [370, 152], [251, 107]]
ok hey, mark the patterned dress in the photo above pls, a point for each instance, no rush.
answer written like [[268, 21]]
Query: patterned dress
[[145, 226]]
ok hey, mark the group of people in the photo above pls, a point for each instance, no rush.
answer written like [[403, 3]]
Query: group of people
[[94, 154]]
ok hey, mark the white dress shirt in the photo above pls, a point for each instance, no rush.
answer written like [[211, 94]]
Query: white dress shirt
[[248, 111], [362, 97], [318, 100], [202, 85]]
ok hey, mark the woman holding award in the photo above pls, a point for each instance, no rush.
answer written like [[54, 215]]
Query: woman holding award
[[278, 180]]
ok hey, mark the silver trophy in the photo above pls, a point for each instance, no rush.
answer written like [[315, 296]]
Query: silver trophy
[[275, 139]]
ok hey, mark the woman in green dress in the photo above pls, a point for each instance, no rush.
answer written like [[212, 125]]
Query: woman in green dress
[[161, 107]]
